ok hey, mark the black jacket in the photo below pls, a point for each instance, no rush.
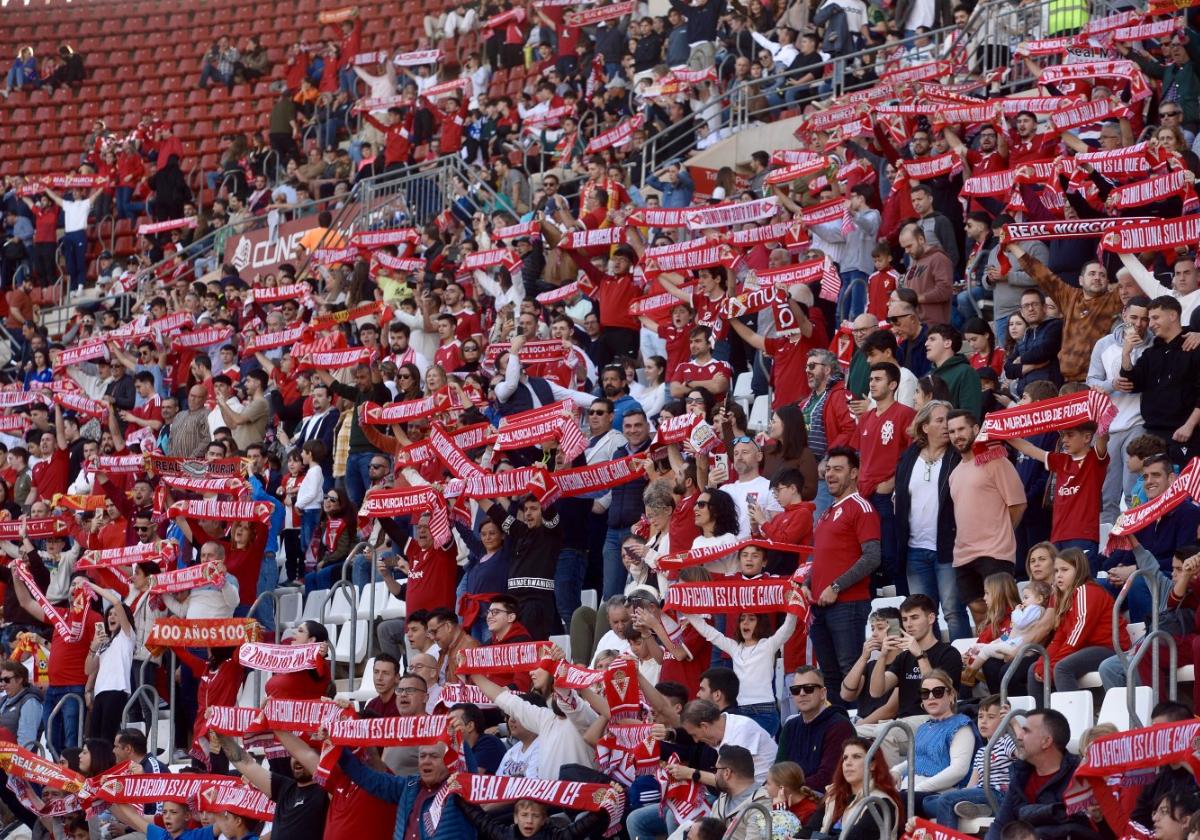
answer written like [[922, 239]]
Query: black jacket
[[1169, 380], [946, 525], [702, 20], [1047, 814], [489, 827]]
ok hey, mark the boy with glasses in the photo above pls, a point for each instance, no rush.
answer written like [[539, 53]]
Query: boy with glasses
[[814, 737]]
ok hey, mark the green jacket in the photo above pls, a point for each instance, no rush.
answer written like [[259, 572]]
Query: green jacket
[[1184, 78], [962, 380]]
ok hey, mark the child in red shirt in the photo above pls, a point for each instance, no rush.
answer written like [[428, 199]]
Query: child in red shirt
[[882, 283]]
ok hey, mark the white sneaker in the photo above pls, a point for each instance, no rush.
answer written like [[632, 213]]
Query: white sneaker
[[972, 810]]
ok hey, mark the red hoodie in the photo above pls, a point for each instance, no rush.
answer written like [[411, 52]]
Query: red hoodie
[[1086, 623]]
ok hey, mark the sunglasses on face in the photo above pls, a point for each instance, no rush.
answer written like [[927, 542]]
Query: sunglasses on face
[[700, 503], [805, 688], [937, 693], [596, 412]]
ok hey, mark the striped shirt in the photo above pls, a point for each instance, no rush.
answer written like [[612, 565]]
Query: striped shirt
[[1002, 759]]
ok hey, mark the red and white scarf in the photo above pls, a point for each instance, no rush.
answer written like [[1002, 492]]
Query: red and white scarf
[[80, 404], [727, 215], [21, 763], [1151, 191], [222, 510], [1153, 236], [685, 799], [206, 337], [186, 579], [336, 359], [407, 501], [69, 628], [764, 595], [171, 224], [597, 478], [243, 800], [596, 14], [168, 631], [1185, 486], [501, 659], [616, 137], [1052, 415], [280, 659]]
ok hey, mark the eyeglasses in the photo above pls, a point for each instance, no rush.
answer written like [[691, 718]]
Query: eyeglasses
[[143, 527], [597, 412], [719, 768], [815, 365], [937, 693], [411, 690], [499, 611], [700, 503], [805, 688]]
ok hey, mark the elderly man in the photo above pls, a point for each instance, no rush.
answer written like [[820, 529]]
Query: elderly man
[[860, 328], [1089, 309], [911, 333], [415, 795], [618, 625]]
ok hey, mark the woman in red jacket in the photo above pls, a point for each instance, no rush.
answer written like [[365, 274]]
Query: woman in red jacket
[[1083, 633]]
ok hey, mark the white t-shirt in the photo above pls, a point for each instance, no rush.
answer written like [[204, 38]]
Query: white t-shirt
[[609, 641], [741, 490], [75, 214], [520, 760], [921, 15], [923, 513], [115, 664], [744, 732]]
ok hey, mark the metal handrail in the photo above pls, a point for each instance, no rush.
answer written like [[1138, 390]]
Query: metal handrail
[[1017, 660], [1155, 581], [56, 711], [347, 566], [274, 599], [1150, 641], [910, 794], [350, 662], [151, 717], [982, 31], [872, 802], [1001, 730]]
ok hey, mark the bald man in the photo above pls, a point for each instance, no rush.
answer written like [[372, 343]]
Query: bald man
[[859, 373]]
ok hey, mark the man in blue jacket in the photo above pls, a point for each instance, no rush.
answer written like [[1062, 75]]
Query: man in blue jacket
[[415, 796]]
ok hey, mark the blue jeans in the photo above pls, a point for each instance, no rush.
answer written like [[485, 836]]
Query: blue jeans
[[837, 638], [852, 301], [646, 823], [765, 715], [323, 578], [209, 73], [127, 208], [568, 582], [964, 306], [358, 477], [1113, 674], [348, 80], [74, 247], [890, 567], [268, 580], [1091, 549], [65, 731], [614, 570], [823, 501], [1137, 600], [939, 807], [928, 576], [309, 520]]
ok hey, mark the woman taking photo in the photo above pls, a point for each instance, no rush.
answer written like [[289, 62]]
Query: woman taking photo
[[944, 744], [848, 788], [109, 666], [788, 448], [1083, 634], [925, 514]]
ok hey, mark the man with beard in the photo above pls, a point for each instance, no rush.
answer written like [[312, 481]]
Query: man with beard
[[401, 352], [320, 425], [616, 388], [827, 415], [989, 501], [300, 803], [703, 370]]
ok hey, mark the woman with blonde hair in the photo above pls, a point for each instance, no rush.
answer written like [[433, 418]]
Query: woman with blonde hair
[[1083, 634], [943, 745], [924, 523], [789, 793]]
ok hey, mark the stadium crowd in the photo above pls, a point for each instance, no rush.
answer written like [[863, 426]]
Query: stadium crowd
[[943, 351]]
